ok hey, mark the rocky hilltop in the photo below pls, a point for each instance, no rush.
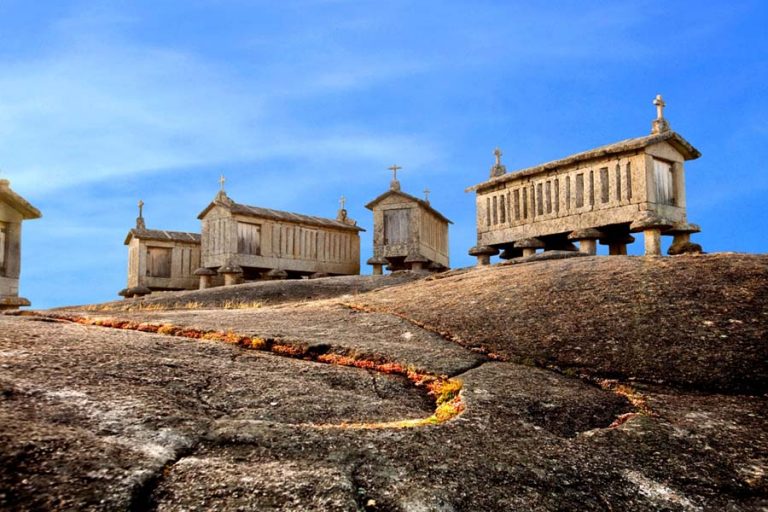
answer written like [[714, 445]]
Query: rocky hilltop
[[588, 383]]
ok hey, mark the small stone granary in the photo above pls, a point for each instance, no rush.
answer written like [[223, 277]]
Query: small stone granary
[[250, 242], [160, 260], [407, 232], [636, 185], [13, 210]]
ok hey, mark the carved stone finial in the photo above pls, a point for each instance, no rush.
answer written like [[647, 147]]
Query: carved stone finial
[[140, 219], [659, 102], [342, 214], [394, 184], [659, 125], [498, 168]]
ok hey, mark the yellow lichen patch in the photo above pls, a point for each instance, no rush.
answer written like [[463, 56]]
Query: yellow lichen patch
[[234, 304], [444, 390], [254, 343], [167, 329], [632, 395]]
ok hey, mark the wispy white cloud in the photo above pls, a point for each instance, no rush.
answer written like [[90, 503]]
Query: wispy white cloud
[[99, 107]]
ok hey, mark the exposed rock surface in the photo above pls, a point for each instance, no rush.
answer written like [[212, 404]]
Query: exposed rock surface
[[261, 292], [93, 418], [698, 321]]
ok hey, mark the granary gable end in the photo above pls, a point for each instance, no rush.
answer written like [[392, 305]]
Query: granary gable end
[[408, 233]]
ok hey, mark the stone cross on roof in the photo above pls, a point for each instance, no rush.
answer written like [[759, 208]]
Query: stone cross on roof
[[659, 125], [426, 194], [342, 202], [222, 180], [394, 184], [498, 168], [659, 102], [140, 219]]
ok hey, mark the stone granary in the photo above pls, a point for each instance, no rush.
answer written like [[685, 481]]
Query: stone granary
[[160, 260], [13, 210], [407, 232], [250, 242], [636, 185]]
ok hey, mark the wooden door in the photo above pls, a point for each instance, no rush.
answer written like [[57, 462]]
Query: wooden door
[[3, 248], [248, 238], [159, 261], [396, 223], [665, 190]]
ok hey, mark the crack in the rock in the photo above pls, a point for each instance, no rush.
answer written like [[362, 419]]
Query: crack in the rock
[[468, 368], [143, 496], [625, 390], [199, 390], [359, 492], [376, 386], [446, 409]]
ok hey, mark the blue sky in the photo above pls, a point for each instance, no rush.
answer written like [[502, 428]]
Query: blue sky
[[298, 102]]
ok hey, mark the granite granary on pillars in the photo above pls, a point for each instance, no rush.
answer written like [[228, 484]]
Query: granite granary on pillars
[[14, 209], [160, 260], [407, 232], [598, 196], [244, 242]]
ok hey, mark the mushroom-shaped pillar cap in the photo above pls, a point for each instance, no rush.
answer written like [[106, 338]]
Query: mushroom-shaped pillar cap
[[376, 260], [648, 221], [276, 273], [684, 227], [230, 268], [138, 290], [529, 243], [585, 234], [626, 239], [123, 292], [202, 271], [416, 258], [483, 250]]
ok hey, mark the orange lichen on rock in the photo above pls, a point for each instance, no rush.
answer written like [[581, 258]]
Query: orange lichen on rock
[[632, 395], [446, 392]]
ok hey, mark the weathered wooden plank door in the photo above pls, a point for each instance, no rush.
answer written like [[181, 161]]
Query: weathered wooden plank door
[[3, 248], [159, 261], [248, 238], [396, 224], [665, 191]]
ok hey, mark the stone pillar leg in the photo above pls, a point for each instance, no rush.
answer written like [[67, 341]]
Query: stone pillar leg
[[230, 279], [378, 270], [681, 238], [417, 265], [483, 260], [617, 249], [528, 251], [588, 246], [205, 282], [652, 241]]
